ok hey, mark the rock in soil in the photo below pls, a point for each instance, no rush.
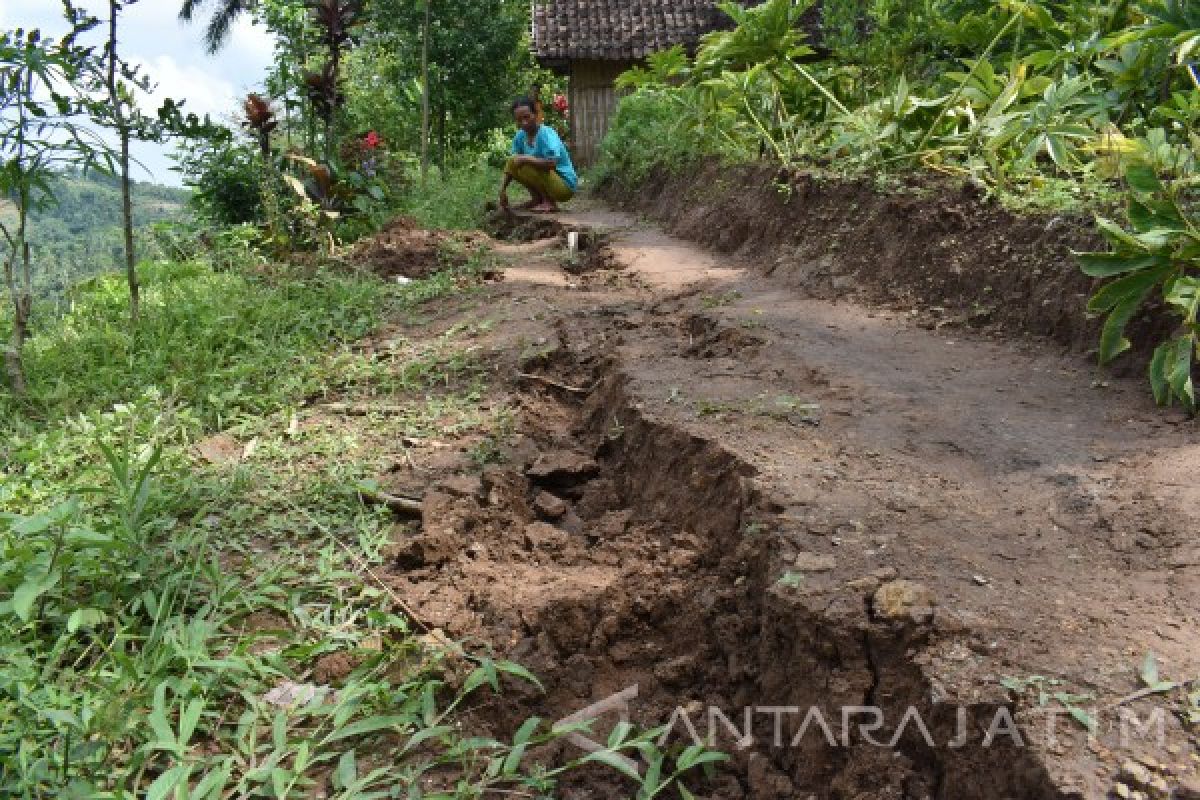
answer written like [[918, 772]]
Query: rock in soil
[[563, 470], [550, 506], [904, 601]]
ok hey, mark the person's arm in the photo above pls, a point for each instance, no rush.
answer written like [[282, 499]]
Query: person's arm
[[538, 163], [504, 191]]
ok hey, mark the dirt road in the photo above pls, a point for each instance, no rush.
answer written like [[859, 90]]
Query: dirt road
[[734, 497]]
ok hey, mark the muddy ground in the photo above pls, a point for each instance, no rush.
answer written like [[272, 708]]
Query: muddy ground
[[733, 495]]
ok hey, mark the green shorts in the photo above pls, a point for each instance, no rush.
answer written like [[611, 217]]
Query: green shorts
[[544, 181]]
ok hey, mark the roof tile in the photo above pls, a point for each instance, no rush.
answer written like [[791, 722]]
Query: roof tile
[[618, 29]]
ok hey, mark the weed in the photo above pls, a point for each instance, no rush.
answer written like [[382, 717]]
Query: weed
[[791, 580], [717, 301], [1046, 689]]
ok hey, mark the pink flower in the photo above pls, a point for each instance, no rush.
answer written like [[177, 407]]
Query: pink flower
[[560, 103], [372, 140]]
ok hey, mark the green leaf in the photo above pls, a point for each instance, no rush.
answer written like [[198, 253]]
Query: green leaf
[[85, 618], [1118, 236], [213, 783], [1181, 371], [1058, 150], [369, 725], [1142, 178], [280, 778], [652, 780], [484, 673], [346, 772], [684, 794], [614, 760], [695, 755], [1123, 289], [28, 593], [1159, 381], [527, 729], [1106, 265], [1112, 339], [165, 784], [1082, 717], [514, 759], [33, 525], [426, 734], [158, 718], [510, 668], [619, 734], [189, 719], [1146, 220], [1149, 673]]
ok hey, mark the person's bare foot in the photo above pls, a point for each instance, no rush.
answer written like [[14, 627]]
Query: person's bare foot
[[545, 208]]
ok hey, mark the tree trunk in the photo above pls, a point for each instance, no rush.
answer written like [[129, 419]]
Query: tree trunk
[[124, 133], [13, 367], [135, 286], [442, 139], [21, 291], [425, 94]]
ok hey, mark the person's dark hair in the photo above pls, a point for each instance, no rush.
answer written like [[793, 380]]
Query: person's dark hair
[[524, 101]]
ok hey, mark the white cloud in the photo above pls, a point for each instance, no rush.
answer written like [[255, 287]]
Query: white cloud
[[172, 54], [203, 92]]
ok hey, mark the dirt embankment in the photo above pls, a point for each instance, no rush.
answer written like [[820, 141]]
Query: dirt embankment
[[612, 552], [939, 249], [715, 496]]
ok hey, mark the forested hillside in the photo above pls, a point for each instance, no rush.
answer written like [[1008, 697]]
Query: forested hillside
[[79, 235]]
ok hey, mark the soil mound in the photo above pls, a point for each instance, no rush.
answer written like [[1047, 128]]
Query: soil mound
[[404, 249]]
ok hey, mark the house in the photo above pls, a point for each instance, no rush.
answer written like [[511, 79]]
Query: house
[[594, 41]]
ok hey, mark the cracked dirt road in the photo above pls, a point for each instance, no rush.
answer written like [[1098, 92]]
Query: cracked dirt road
[[748, 498]]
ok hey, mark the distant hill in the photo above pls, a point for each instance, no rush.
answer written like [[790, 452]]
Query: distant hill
[[81, 235]]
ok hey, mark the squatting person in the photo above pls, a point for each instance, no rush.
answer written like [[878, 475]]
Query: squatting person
[[540, 162]]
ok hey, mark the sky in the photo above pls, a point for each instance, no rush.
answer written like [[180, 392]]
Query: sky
[[172, 53]]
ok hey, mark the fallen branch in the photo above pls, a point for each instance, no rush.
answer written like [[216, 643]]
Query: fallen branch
[[364, 409], [402, 506], [551, 382]]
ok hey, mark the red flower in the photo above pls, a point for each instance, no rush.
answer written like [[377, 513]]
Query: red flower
[[372, 140], [560, 103]]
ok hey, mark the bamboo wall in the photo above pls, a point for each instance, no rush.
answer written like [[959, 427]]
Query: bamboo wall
[[593, 102]]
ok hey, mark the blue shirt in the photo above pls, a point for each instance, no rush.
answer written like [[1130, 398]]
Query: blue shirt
[[548, 144]]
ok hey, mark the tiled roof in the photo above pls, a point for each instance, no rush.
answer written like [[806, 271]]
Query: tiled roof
[[618, 29]]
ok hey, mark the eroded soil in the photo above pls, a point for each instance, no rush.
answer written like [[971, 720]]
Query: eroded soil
[[730, 495]]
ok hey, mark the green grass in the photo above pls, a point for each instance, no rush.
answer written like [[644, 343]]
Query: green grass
[[220, 343], [456, 199], [154, 599]]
